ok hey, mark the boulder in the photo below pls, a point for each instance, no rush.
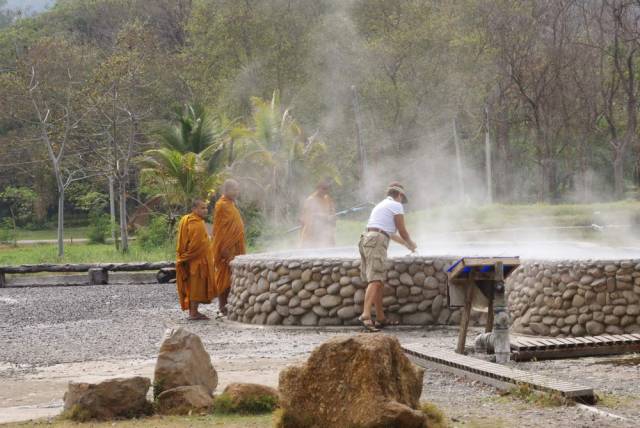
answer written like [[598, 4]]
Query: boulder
[[242, 394], [363, 380], [183, 361], [111, 399], [184, 399]]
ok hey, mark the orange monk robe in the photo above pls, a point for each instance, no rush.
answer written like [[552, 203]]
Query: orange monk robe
[[228, 241], [194, 269], [318, 223]]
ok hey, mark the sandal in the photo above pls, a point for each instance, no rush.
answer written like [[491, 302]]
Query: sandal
[[198, 317], [386, 322], [368, 324]]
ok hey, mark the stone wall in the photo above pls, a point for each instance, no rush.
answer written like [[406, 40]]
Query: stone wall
[[573, 298], [330, 292]]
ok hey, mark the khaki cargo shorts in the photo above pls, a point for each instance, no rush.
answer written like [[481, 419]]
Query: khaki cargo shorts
[[373, 254]]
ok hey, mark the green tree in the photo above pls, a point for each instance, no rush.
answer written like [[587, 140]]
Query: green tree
[[19, 201]]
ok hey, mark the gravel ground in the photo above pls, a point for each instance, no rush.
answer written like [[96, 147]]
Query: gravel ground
[[45, 326]]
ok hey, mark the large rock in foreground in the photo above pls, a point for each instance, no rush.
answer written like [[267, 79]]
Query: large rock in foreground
[[183, 361], [184, 399], [111, 399], [364, 381]]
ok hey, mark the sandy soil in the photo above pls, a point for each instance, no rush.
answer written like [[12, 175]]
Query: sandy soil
[[52, 335]]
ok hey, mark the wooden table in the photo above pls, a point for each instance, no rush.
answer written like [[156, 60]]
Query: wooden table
[[471, 275]]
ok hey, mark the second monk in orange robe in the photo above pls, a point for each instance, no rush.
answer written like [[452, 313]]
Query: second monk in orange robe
[[228, 239], [194, 268]]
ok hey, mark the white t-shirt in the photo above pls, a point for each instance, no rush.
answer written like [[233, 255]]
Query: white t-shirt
[[382, 215]]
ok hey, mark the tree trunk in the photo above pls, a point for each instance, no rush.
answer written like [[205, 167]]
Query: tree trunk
[[503, 191], [60, 220], [15, 227], [122, 190], [112, 212], [618, 171]]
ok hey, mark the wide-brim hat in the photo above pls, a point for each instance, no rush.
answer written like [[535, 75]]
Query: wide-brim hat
[[398, 188]]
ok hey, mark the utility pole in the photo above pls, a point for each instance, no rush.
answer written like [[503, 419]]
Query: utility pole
[[456, 144], [362, 154], [487, 155]]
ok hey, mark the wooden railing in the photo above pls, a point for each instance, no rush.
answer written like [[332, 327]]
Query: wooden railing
[[98, 272]]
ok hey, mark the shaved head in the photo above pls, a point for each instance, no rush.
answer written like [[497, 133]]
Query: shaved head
[[231, 189], [199, 207]]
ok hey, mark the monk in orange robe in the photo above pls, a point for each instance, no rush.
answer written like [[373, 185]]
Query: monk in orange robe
[[228, 239], [194, 268], [319, 219]]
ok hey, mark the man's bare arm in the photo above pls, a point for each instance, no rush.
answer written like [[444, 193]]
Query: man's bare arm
[[402, 231], [395, 237]]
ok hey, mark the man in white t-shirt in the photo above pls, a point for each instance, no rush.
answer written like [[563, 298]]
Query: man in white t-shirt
[[385, 222]]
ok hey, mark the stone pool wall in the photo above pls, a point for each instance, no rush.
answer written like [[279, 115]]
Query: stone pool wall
[[330, 292], [573, 298], [559, 298]]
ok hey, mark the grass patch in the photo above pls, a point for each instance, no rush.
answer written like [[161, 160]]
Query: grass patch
[[525, 393], [631, 360], [250, 405], [76, 413], [435, 416], [615, 401], [82, 253], [201, 421], [69, 233], [485, 423]]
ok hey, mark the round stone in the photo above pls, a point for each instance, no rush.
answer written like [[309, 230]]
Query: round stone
[[347, 291], [304, 294], [333, 288], [329, 301], [408, 308], [402, 291], [309, 319], [320, 292], [274, 318], [406, 279], [577, 330], [320, 311], [619, 310], [311, 286], [594, 328], [295, 301], [347, 312]]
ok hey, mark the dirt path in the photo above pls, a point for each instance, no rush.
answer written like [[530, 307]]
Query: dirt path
[[52, 335]]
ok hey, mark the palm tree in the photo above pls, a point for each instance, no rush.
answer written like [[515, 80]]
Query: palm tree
[[178, 177], [280, 160], [193, 156]]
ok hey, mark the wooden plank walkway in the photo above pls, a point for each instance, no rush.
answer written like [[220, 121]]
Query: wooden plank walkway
[[500, 376], [528, 348]]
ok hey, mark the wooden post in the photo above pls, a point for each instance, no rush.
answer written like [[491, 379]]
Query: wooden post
[[466, 315], [489, 327], [98, 276], [499, 277]]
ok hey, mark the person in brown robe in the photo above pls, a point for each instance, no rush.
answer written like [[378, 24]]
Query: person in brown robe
[[228, 239], [318, 219]]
